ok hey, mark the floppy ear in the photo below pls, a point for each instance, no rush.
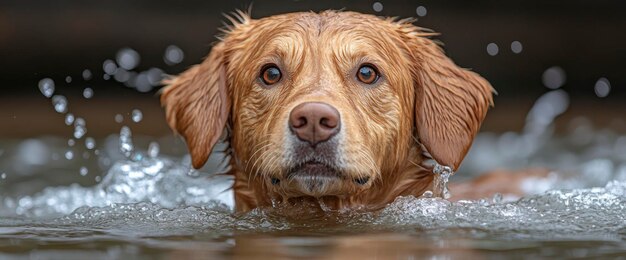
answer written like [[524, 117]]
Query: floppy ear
[[450, 102], [197, 105]]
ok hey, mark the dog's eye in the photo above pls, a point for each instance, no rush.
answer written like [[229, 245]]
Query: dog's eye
[[270, 74], [367, 74]]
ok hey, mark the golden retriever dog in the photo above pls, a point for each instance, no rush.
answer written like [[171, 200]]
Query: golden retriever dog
[[341, 109]]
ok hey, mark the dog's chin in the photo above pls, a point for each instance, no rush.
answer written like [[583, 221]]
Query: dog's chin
[[313, 179]]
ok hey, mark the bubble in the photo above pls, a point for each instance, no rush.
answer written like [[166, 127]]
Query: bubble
[[554, 77], [71, 142], [88, 93], [87, 74], [69, 155], [173, 55], [69, 119], [516, 47], [427, 194], [46, 86], [136, 115], [3, 175], [377, 6], [421, 11], [126, 142], [153, 149], [83, 171], [68, 79], [602, 87], [60, 103], [119, 118], [492, 49], [106, 76], [109, 68], [127, 58], [97, 178], [90, 143]]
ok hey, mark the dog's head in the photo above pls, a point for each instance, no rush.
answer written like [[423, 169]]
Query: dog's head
[[326, 104]]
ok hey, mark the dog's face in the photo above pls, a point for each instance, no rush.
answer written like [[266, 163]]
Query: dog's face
[[326, 104]]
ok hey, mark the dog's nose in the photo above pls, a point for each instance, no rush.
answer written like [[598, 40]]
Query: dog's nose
[[314, 122]]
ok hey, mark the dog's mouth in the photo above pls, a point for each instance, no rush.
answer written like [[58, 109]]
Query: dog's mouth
[[313, 169]]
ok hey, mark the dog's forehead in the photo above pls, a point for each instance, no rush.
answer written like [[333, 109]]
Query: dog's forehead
[[334, 22]]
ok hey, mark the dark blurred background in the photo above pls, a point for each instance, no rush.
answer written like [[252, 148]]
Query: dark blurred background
[[38, 39]]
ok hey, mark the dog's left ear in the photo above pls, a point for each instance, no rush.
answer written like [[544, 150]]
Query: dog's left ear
[[450, 102], [197, 105]]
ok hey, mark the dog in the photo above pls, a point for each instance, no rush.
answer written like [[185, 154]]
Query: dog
[[337, 108]]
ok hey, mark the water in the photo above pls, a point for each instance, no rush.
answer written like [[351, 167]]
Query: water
[[131, 196]]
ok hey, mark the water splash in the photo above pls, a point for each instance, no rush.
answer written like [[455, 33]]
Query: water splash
[[159, 181], [153, 150], [126, 142], [442, 177]]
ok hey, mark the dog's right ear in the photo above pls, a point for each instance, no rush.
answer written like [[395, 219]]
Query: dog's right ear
[[197, 105]]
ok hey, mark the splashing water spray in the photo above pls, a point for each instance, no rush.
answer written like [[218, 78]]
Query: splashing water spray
[[442, 176]]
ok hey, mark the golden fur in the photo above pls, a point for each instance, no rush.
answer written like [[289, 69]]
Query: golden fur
[[422, 100]]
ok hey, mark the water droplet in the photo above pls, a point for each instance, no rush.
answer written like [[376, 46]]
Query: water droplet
[[88, 93], [83, 171], [80, 128], [122, 75], [155, 75], [87, 74], [3, 175], [173, 55], [127, 58], [497, 198], [46, 86], [553, 77], [377, 6], [142, 83], [98, 178], [109, 68], [492, 49], [90, 143], [126, 142], [71, 142], [602, 87], [421, 11], [153, 149], [119, 118], [69, 119], [106, 76], [136, 115], [193, 173], [442, 176], [68, 79], [516, 47], [60, 103], [69, 155]]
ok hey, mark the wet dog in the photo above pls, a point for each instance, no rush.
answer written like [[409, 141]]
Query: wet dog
[[341, 108]]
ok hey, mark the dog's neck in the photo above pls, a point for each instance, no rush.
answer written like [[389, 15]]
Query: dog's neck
[[405, 179]]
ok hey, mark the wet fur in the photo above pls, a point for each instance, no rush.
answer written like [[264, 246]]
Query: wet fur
[[423, 101]]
